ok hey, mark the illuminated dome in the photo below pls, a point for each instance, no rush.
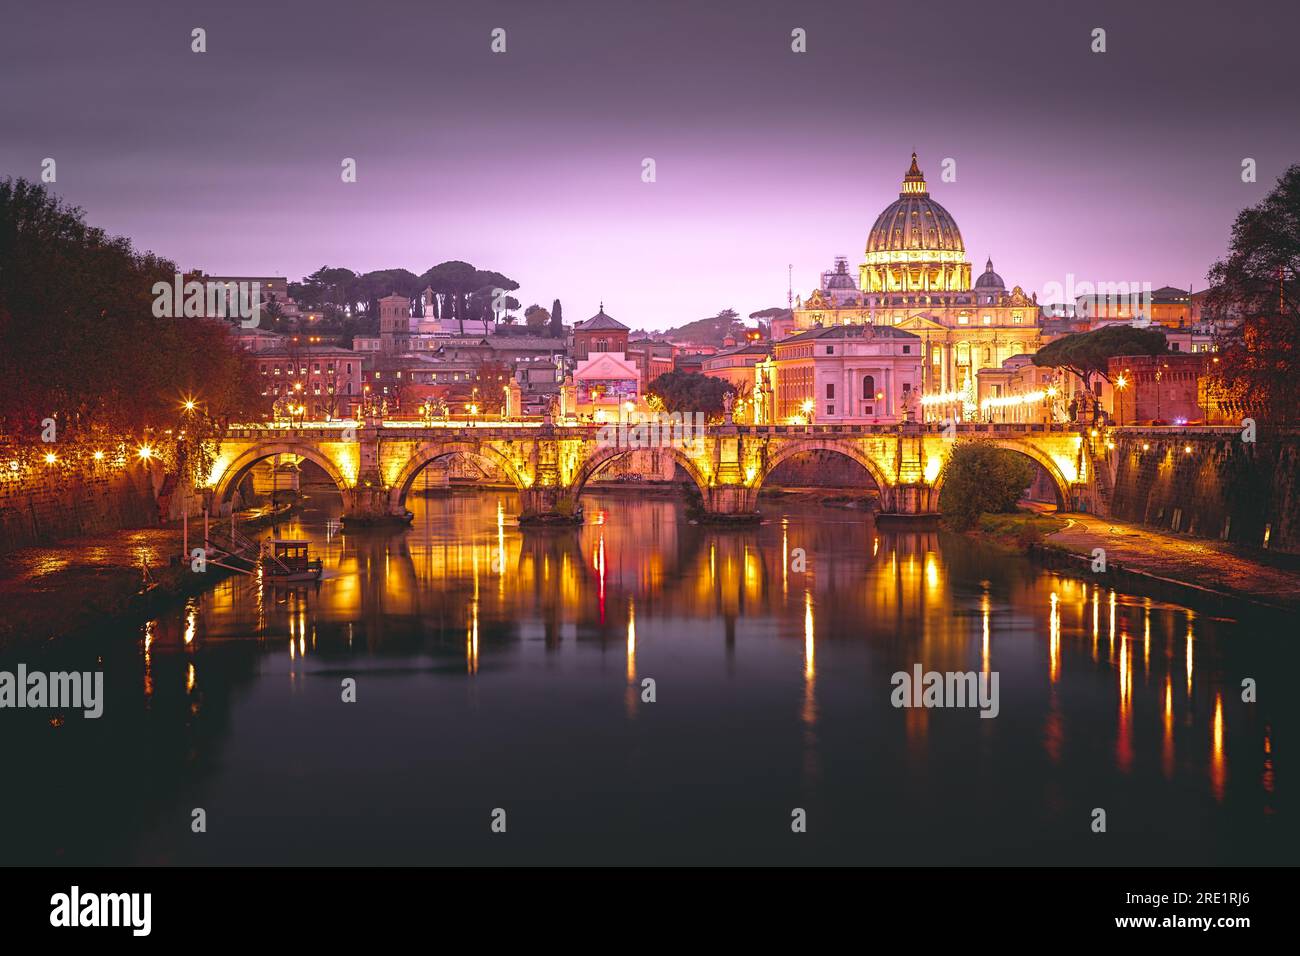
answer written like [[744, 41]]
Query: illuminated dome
[[915, 245], [990, 280], [914, 221]]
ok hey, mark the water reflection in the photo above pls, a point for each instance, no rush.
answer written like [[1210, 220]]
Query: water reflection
[[497, 665]]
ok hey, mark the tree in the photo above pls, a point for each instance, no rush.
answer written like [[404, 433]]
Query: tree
[[690, 392], [537, 319], [1086, 353], [1256, 289], [981, 478], [79, 340], [557, 320]]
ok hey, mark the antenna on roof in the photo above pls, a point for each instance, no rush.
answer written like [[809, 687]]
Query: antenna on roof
[[789, 291]]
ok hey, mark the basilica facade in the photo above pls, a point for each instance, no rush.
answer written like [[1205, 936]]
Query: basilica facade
[[915, 277]]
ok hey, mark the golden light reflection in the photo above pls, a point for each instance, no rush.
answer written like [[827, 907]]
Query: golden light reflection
[[1112, 624], [1054, 638], [1167, 760], [1218, 760], [1146, 639], [1124, 740], [471, 640], [189, 678], [1096, 620], [191, 620], [984, 611], [809, 714], [809, 649], [631, 641], [1189, 653]]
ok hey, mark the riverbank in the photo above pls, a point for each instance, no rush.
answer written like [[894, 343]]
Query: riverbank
[[1203, 568], [1180, 567], [57, 591]]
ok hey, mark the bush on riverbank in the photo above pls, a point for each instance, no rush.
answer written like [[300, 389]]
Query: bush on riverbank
[[981, 479]]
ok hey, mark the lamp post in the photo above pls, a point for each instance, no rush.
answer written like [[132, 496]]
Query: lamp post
[[1121, 383]]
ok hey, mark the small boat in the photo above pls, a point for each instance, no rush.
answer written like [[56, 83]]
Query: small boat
[[288, 560]]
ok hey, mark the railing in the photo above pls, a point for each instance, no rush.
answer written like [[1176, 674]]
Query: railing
[[527, 428]]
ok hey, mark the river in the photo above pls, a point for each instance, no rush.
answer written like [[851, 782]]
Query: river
[[500, 670]]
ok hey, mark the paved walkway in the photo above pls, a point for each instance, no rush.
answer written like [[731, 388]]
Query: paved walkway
[[1230, 569]]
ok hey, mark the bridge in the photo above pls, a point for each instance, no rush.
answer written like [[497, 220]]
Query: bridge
[[375, 463]]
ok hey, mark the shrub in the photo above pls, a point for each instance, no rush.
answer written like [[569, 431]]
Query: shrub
[[980, 478]]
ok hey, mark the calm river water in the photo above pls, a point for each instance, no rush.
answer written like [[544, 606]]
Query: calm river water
[[496, 669]]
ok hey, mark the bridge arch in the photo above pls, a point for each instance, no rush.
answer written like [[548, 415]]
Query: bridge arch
[[429, 453], [1042, 458], [234, 473], [848, 449], [602, 456]]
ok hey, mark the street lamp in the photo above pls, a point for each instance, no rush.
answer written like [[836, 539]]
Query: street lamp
[[807, 409], [1121, 383]]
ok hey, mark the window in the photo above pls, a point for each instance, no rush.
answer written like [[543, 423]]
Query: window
[[1017, 317], [830, 350], [869, 387], [988, 320], [907, 350], [830, 409], [963, 319], [830, 389], [868, 409]]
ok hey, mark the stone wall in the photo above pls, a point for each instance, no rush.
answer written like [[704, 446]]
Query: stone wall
[[41, 502], [1211, 484]]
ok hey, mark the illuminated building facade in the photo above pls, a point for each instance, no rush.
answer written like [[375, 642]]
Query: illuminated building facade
[[915, 277], [839, 374]]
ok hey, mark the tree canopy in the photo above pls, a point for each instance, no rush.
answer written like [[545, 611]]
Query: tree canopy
[[1256, 290], [1086, 353], [981, 478], [690, 392], [79, 342]]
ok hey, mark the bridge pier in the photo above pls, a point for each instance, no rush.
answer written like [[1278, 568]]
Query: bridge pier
[[369, 505], [543, 505], [914, 500], [728, 504]]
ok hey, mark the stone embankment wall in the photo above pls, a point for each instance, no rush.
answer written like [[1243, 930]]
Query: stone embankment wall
[[41, 501], [1210, 483]]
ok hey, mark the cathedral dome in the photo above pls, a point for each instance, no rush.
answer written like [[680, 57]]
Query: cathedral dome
[[915, 222], [990, 279]]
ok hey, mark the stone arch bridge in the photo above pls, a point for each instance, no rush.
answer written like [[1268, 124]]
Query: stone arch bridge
[[375, 465]]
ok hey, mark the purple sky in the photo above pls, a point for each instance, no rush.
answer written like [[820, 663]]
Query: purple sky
[[1122, 166]]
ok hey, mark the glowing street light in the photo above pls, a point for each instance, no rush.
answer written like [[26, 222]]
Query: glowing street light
[[50, 458], [145, 452]]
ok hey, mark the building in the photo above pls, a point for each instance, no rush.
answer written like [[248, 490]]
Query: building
[[652, 358], [915, 277], [840, 374], [600, 333], [736, 367], [1017, 393], [1173, 389], [325, 380]]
